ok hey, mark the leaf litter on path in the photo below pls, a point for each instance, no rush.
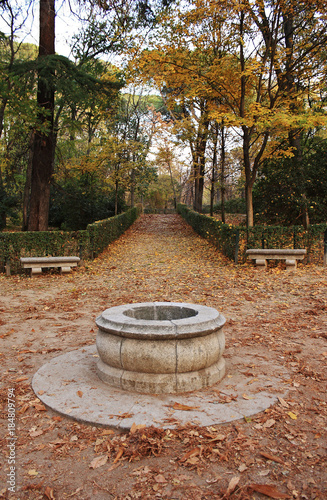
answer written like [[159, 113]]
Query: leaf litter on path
[[274, 314]]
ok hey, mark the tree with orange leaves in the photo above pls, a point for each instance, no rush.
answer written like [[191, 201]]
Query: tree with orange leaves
[[256, 64]]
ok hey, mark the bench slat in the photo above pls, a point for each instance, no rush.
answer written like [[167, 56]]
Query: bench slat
[[47, 260], [291, 256], [277, 251], [37, 263]]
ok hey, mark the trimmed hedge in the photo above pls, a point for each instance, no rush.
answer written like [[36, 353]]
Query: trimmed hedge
[[233, 241], [104, 232], [86, 244]]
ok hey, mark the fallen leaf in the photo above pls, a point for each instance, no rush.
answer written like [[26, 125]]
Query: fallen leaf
[[98, 462], [245, 396], [179, 406], [263, 473], [282, 402], [107, 432], [242, 468], [24, 408], [160, 479], [79, 394], [192, 453], [135, 427], [49, 493], [232, 484], [268, 490], [119, 454], [32, 472], [39, 407], [219, 437], [113, 466], [269, 423], [139, 471], [75, 492], [292, 415], [36, 433], [271, 457], [213, 481], [20, 379]]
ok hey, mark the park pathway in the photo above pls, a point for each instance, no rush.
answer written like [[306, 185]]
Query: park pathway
[[160, 258]]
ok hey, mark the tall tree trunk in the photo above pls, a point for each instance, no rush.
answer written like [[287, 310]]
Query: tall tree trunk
[[199, 165], [249, 206], [248, 178], [213, 178], [27, 187], [222, 173], [172, 184], [246, 133], [294, 135], [132, 187], [43, 156], [199, 184], [116, 196]]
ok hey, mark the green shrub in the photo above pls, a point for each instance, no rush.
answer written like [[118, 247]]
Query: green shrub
[[235, 206], [233, 241], [80, 201], [285, 187], [85, 243]]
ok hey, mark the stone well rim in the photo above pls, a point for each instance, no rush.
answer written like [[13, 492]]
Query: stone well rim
[[115, 321]]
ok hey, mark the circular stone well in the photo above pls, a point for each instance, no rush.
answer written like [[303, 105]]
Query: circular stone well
[[160, 347]]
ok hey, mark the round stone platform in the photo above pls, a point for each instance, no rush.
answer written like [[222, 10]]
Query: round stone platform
[[69, 385]]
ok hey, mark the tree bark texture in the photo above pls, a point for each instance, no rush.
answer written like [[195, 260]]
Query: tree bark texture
[[198, 153], [295, 134], [43, 154]]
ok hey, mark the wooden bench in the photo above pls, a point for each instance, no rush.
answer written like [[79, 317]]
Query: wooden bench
[[36, 264], [291, 256]]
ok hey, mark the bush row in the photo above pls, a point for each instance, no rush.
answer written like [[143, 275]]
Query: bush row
[[86, 244], [233, 241]]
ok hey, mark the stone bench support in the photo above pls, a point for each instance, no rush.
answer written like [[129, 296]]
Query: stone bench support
[[291, 256], [36, 264]]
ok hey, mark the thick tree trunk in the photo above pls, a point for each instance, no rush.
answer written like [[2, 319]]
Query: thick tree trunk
[[199, 168], [43, 156], [132, 187], [116, 196], [249, 206], [199, 184], [222, 174], [294, 135], [249, 178], [172, 185], [27, 187], [212, 187]]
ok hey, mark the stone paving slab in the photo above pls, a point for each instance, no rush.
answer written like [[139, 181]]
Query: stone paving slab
[[69, 385]]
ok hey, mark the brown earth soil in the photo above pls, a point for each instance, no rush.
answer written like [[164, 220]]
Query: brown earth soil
[[280, 453]]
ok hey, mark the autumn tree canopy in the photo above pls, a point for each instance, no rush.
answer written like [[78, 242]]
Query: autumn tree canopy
[[258, 66], [240, 83]]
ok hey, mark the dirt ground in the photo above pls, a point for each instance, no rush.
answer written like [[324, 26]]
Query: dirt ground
[[279, 453]]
